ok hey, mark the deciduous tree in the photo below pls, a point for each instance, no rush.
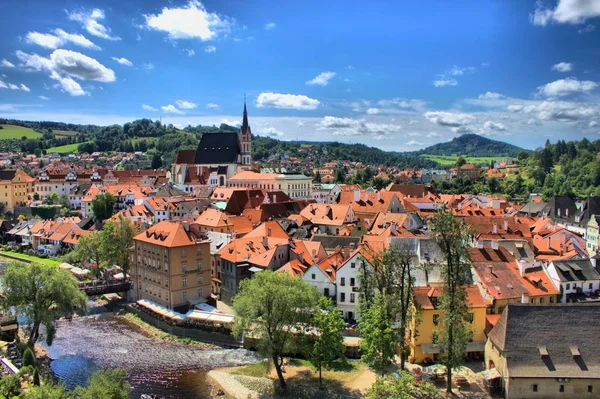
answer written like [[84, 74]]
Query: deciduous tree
[[378, 344], [103, 206], [402, 387]]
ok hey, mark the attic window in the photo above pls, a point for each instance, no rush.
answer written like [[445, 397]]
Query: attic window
[[575, 351], [543, 350]]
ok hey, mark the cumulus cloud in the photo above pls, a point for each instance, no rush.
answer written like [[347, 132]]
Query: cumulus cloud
[[372, 111], [68, 84], [7, 64], [171, 109], [592, 124], [449, 119], [561, 111], [566, 11], [210, 49], [212, 105], [271, 132], [491, 96], [192, 21], [497, 126], [356, 127], [182, 104], [413, 143], [231, 122], [270, 25], [148, 107], [413, 122], [563, 67], [286, 101], [458, 71], [565, 87], [89, 21], [24, 88], [148, 66], [190, 52], [123, 61], [445, 82], [587, 29], [415, 104], [43, 98], [12, 86], [321, 79], [58, 38]]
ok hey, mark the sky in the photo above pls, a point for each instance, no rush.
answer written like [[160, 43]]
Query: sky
[[398, 75]]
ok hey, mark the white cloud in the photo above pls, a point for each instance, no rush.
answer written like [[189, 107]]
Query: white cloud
[[286, 101], [356, 127], [445, 82], [372, 111], [271, 132], [68, 85], [415, 104], [43, 98], [592, 124], [190, 22], [449, 119], [491, 96], [413, 143], [587, 29], [6, 64], [210, 49], [566, 11], [13, 86], [171, 109], [190, 52], [148, 66], [563, 67], [24, 88], [270, 25], [212, 105], [433, 135], [3, 85], [489, 125], [89, 21], [565, 87], [148, 107], [321, 79], [413, 122], [458, 71], [59, 38], [123, 61], [231, 122], [182, 104], [561, 111]]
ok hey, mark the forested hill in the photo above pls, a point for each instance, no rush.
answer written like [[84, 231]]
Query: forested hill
[[473, 145]]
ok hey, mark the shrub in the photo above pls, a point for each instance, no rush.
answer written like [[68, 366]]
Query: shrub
[[28, 358]]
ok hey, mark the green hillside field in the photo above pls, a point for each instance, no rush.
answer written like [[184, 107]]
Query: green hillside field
[[64, 148], [16, 132], [451, 160]]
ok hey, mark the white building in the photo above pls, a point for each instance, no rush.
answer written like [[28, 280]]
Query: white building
[[347, 282], [294, 185], [322, 275], [573, 277]]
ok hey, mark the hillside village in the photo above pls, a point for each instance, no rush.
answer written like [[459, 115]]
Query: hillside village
[[215, 218]]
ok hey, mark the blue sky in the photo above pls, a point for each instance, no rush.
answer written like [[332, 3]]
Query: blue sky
[[399, 75]]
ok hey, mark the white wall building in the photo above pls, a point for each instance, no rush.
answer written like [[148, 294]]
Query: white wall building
[[573, 277], [347, 284]]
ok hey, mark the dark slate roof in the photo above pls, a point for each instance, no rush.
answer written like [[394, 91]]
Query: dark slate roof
[[218, 148], [576, 270], [562, 329], [167, 190], [562, 203], [332, 242], [533, 208], [7, 174], [591, 208]]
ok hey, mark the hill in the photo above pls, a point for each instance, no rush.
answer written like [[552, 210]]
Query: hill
[[473, 145], [8, 132]]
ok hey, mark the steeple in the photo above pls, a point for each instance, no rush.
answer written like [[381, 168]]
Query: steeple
[[245, 126], [245, 137]]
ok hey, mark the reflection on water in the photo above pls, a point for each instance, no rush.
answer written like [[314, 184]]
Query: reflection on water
[[168, 369]]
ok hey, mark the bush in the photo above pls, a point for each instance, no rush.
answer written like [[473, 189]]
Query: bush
[[28, 358], [10, 386], [36, 377]]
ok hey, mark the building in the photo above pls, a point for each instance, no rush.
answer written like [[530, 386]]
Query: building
[[228, 152], [592, 233], [328, 218], [424, 345], [294, 185], [469, 171], [322, 275], [347, 281], [543, 351], [574, 278], [170, 265], [16, 188]]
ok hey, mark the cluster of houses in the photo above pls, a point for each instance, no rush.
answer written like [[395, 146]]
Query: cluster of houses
[[213, 220]]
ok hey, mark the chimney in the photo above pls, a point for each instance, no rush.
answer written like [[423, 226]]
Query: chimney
[[495, 245], [506, 225], [563, 239], [274, 198], [346, 252], [393, 228], [494, 228], [378, 196], [186, 225], [366, 197], [265, 242], [356, 195], [524, 298], [521, 264]]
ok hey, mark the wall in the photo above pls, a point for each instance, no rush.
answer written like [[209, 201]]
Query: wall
[[549, 388]]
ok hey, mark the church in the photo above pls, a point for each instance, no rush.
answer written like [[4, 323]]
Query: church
[[218, 157]]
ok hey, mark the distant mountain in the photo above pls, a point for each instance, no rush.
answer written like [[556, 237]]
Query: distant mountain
[[473, 145]]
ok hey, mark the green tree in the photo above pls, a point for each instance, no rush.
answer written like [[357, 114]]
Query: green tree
[[317, 178], [52, 198], [42, 293], [339, 175], [269, 307], [106, 384], [378, 341], [452, 235], [156, 161], [10, 385], [328, 347], [460, 161], [28, 358], [36, 377], [115, 240], [89, 248], [35, 196], [103, 206], [403, 387], [64, 202], [46, 391]]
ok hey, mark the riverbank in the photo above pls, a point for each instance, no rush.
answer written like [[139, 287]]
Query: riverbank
[[10, 255]]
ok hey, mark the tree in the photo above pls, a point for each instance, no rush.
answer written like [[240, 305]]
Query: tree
[[103, 206], [317, 177], [156, 161], [36, 377], [10, 385], [269, 307], [28, 358], [107, 384], [460, 161], [46, 391], [339, 175], [452, 235], [328, 346], [42, 293], [115, 240], [36, 196], [378, 343], [403, 387], [52, 198], [89, 248], [64, 202]]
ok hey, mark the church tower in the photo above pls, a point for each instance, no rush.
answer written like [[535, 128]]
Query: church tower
[[245, 135]]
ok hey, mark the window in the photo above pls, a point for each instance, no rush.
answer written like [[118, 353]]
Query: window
[[343, 281], [541, 300], [568, 286], [353, 265], [470, 317], [352, 282], [342, 297], [200, 293], [352, 298], [166, 281], [590, 389], [436, 319], [183, 267], [326, 291], [199, 264], [590, 286], [532, 300], [198, 251], [551, 299], [185, 295], [561, 388], [183, 252], [534, 388], [199, 279], [184, 281]]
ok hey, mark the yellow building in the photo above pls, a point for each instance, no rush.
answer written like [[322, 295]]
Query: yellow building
[[16, 188], [423, 336], [170, 264], [294, 185]]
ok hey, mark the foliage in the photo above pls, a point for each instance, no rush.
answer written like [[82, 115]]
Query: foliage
[[42, 293], [36, 377], [452, 235], [403, 387], [108, 384], [328, 347], [269, 307], [46, 391], [103, 206], [473, 145], [10, 385], [28, 358], [116, 238], [377, 346]]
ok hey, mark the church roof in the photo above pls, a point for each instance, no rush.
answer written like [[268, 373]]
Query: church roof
[[218, 148]]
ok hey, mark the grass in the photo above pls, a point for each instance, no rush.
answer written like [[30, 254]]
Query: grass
[[46, 261], [64, 133], [449, 160], [64, 148], [16, 132]]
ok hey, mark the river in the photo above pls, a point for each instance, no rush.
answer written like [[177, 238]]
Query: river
[[168, 369]]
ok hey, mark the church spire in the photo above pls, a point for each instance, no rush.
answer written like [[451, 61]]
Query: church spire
[[245, 121]]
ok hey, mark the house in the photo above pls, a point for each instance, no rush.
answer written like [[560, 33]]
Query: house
[[16, 188], [546, 351], [328, 218], [347, 281], [558, 243], [424, 344], [574, 278], [366, 205], [170, 265], [469, 171], [592, 233], [322, 275], [294, 185]]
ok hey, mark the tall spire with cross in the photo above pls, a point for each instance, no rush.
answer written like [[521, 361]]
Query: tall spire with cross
[[245, 126], [246, 138]]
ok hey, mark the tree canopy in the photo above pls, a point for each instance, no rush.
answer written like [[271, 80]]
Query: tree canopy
[[103, 206]]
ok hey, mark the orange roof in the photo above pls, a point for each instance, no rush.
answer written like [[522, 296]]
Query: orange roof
[[242, 249], [326, 214], [213, 218], [424, 295], [385, 219], [240, 225], [171, 234], [372, 205], [330, 264], [268, 229], [249, 175], [74, 235], [294, 268]]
